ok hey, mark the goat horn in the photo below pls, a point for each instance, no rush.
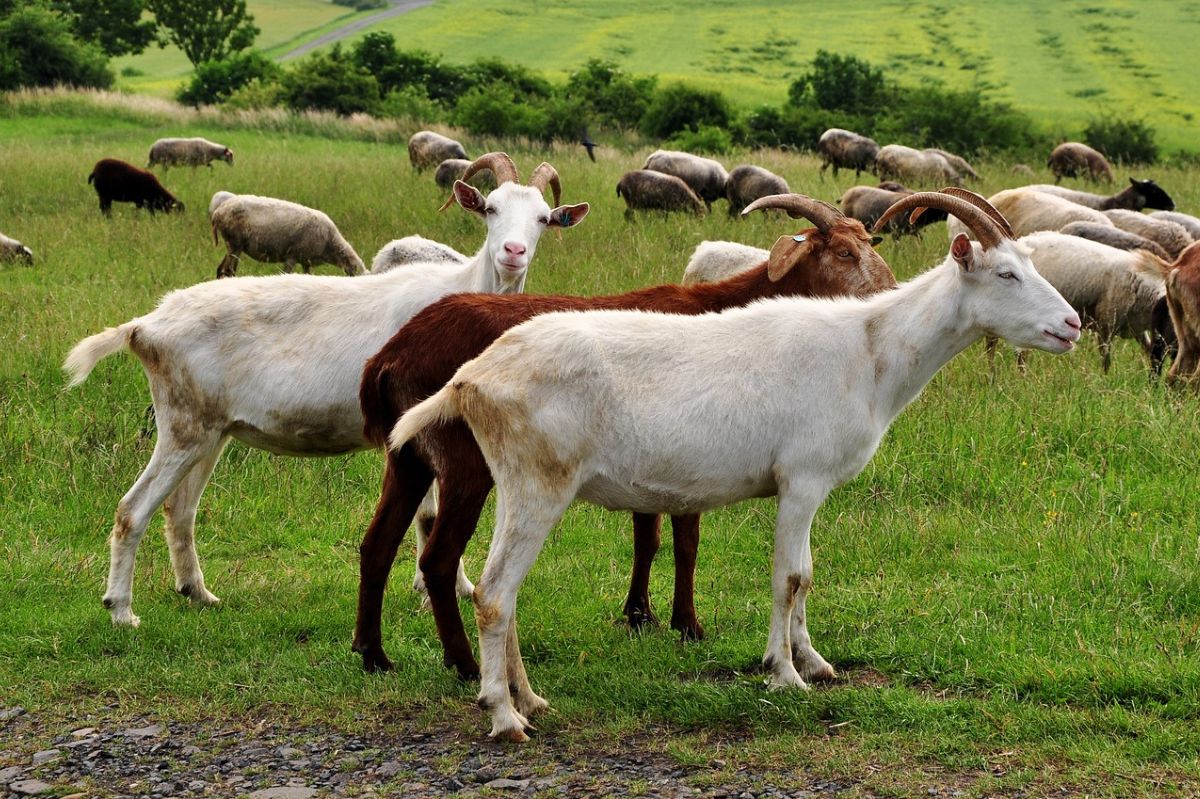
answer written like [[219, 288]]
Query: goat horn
[[981, 224], [501, 165], [800, 206], [979, 202], [544, 174]]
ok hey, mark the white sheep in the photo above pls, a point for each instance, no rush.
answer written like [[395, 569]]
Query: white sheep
[[414, 250], [713, 261], [1116, 292], [594, 405], [428, 149], [188, 152], [218, 198], [278, 231], [13, 250], [1137, 195], [1028, 211], [1190, 223], [1171, 236], [905, 163], [704, 176], [275, 362]]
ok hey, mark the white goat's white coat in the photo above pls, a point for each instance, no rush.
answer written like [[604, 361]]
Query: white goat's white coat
[[593, 405], [275, 362], [713, 261], [11, 249]]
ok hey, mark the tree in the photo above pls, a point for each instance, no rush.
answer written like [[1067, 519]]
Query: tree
[[330, 81], [841, 83], [206, 30], [116, 26], [38, 48]]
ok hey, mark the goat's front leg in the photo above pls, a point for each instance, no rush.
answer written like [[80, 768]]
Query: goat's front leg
[[647, 532], [685, 536], [791, 577], [180, 512]]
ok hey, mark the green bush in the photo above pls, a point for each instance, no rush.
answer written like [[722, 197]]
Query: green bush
[[394, 69], [493, 111], [410, 102], [215, 81], [255, 95], [1123, 141], [679, 107], [614, 99], [960, 121], [330, 81], [705, 139], [38, 48], [841, 83]]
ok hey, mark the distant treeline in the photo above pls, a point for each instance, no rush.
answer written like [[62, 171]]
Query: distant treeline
[[495, 98]]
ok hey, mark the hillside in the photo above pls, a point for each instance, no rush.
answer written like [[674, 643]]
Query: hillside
[[1064, 63]]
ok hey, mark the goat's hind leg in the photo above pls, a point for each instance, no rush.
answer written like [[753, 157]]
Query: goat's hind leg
[[791, 580], [426, 517], [180, 512], [169, 465]]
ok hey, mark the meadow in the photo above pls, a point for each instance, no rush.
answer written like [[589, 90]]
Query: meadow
[[1009, 589], [1064, 64]]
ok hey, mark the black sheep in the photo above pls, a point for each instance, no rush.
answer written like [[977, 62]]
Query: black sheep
[[120, 181]]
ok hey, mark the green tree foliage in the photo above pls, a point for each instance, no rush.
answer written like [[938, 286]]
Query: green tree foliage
[[116, 26], [1124, 141], [216, 81], [206, 30], [416, 69], [39, 48], [330, 81], [840, 83], [679, 107], [613, 99]]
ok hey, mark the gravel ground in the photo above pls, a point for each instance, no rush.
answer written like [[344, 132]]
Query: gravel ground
[[160, 758]]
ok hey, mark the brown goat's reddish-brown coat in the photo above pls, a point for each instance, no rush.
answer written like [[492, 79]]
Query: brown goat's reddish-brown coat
[[122, 182], [1183, 301], [418, 361]]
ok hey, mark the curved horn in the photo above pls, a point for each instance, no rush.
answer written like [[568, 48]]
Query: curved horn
[[983, 205], [544, 174], [800, 206], [981, 224], [501, 165]]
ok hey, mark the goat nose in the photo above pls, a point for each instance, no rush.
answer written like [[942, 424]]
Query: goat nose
[[514, 249], [1073, 321]]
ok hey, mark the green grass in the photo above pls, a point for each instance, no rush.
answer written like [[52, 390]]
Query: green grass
[[1010, 587]]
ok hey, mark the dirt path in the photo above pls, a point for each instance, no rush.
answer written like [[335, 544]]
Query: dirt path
[[396, 8]]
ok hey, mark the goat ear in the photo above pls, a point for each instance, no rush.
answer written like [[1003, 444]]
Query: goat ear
[[961, 251], [876, 241], [568, 215], [468, 197], [786, 252]]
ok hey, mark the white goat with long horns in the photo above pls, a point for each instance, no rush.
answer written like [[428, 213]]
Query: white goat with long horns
[[594, 405], [275, 362]]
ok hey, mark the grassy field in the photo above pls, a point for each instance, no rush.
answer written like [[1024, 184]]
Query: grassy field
[[1009, 589]]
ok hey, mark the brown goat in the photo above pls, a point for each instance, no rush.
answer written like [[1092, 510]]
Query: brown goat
[[1183, 302], [122, 182], [427, 351]]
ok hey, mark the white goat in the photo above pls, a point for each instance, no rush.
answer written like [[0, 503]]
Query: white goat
[[275, 362], [594, 405], [414, 250], [713, 261]]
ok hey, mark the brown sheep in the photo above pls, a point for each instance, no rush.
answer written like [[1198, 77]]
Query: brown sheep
[[748, 183], [1072, 159], [122, 182], [846, 149], [647, 190]]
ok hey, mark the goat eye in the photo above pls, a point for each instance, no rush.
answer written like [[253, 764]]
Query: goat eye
[[544, 220], [489, 210], [844, 254], [1007, 276]]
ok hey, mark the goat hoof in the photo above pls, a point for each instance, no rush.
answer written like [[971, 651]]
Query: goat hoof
[[125, 618], [640, 617], [374, 661], [530, 704], [689, 630], [467, 672]]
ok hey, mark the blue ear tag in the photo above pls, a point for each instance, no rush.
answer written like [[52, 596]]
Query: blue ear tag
[[800, 238], [564, 218]]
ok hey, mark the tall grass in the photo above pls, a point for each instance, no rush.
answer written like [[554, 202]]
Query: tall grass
[[1012, 580]]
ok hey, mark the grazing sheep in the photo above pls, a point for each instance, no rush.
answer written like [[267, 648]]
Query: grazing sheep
[[1029, 211], [714, 261], [427, 149], [1117, 293], [835, 258], [188, 152], [1022, 169], [1114, 237], [905, 163], [1183, 301], [1137, 195], [122, 182], [869, 203], [218, 198], [1072, 159], [1190, 223], [276, 362], [848, 150], [414, 250], [956, 162], [747, 183], [595, 405], [277, 231], [13, 250], [647, 190], [1171, 236], [705, 176], [452, 169]]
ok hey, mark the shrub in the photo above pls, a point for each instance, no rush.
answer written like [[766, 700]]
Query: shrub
[[840, 83], [493, 111], [962, 121], [256, 94], [38, 48], [215, 81], [614, 99], [376, 53], [410, 102], [1124, 141], [330, 81], [705, 139], [679, 107], [521, 81]]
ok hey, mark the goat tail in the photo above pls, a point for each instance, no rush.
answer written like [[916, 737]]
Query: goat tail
[[441, 407], [92, 177], [84, 356]]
